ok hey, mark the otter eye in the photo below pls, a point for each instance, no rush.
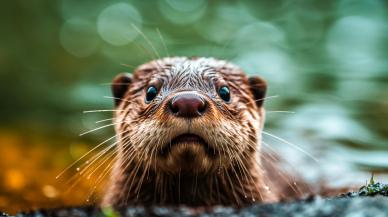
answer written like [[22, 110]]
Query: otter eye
[[224, 93], [151, 93]]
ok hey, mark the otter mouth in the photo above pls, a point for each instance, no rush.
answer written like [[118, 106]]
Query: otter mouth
[[191, 139]]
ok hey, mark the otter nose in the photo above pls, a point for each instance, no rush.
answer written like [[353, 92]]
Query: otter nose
[[188, 105]]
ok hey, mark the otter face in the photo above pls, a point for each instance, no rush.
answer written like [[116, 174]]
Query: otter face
[[195, 116]]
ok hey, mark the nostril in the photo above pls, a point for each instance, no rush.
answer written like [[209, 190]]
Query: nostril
[[187, 105], [202, 107], [174, 108]]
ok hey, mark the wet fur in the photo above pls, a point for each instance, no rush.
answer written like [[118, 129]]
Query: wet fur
[[236, 176]]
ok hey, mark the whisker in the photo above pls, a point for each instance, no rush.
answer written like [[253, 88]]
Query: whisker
[[135, 171], [101, 177], [111, 97], [103, 110], [101, 155], [267, 97], [98, 156], [264, 98], [107, 157], [86, 154], [147, 40], [104, 120], [289, 112], [105, 172], [146, 51], [291, 144], [163, 42], [282, 175], [110, 83], [230, 183], [85, 172], [128, 65], [98, 128]]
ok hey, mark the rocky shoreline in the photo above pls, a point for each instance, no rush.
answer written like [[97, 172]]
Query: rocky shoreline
[[370, 200]]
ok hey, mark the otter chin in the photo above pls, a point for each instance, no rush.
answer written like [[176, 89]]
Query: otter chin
[[189, 133], [187, 153]]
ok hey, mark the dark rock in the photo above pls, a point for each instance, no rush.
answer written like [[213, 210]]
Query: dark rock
[[85, 211], [371, 189], [358, 206], [371, 200]]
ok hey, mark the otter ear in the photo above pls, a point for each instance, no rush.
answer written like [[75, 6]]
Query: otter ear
[[258, 88], [120, 85]]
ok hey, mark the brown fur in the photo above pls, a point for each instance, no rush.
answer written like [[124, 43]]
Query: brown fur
[[235, 175]]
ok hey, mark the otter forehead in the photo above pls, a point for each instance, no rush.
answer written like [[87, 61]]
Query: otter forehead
[[190, 65], [186, 67], [187, 73]]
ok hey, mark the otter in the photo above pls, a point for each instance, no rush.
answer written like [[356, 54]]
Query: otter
[[189, 132]]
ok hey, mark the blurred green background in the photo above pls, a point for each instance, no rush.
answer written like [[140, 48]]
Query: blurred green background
[[326, 61]]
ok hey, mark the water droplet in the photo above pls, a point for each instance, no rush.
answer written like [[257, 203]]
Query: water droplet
[[253, 199], [245, 196], [87, 162], [294, 183], [77, 169]]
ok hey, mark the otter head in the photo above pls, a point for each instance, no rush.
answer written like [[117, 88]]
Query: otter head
[[192, 116]]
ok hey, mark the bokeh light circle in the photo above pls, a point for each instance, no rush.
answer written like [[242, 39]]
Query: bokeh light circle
[[223, 23], [355, 42], [258, 35], [370, 8], [182, 12], [273, 64], [81, 9], [115, 24], [180, 5], [79, 37]]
